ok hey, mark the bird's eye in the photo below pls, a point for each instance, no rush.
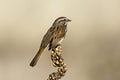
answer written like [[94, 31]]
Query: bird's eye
[[64, 19]]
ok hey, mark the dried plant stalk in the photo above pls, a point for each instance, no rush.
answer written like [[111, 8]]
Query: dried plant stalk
[[56, 57]]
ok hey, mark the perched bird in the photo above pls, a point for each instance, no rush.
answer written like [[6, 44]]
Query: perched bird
[[53, 37]]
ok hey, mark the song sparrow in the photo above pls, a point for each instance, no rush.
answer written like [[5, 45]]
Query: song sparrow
[[53, 37]]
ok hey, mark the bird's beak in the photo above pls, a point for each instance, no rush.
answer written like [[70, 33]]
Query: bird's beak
[[69, 20]]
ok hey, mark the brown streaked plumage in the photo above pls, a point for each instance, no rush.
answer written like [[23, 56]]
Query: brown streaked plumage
[[53, 37]]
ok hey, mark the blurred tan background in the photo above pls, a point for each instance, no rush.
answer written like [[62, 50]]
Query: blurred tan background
[[91, 48]]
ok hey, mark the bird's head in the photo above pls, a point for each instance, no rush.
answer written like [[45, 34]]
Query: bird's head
[[62, 20]]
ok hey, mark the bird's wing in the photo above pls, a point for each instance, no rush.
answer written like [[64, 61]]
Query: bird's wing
[[46, 40], [47, 37]]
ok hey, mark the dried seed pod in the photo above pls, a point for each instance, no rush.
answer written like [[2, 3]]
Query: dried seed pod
[[56, 57]]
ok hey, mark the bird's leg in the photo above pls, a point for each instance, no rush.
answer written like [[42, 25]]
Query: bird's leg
[[53, 49]]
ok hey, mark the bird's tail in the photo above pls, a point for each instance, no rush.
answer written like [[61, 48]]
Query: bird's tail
[[36, 58]]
